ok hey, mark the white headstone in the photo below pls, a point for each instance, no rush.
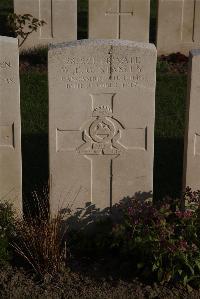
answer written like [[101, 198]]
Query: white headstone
[[101, 124], [60, 17], [191, 171], [119, 19], [178, 27], [10, 124]]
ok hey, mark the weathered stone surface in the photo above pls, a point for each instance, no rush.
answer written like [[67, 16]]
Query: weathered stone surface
[[119, 19], [10, 124], [101, 105], [178, 26], [191, 170], [60, 16]]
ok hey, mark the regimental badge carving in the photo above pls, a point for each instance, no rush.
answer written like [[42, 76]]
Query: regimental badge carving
[[102, 134]]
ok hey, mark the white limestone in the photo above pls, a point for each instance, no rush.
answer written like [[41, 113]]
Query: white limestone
[[191, 170], [101, 121], [178, 27], [119, 19], [60, 17], [10, 124]]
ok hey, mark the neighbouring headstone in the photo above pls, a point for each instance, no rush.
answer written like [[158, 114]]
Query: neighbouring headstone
[[60, 17], [119, 19], [102, 109], [191, 169], [10, 124], [178, 26]]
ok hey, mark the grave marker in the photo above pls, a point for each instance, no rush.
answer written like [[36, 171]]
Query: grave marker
[[119, 19], [60, 17], [101, 124], [191, 172], [178, 28], [10, 127]]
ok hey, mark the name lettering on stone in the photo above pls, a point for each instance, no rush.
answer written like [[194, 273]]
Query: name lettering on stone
[[110, 71], [5, 64], [6, 73]]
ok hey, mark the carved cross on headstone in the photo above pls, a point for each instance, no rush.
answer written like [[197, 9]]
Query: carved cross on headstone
[[119, 13], [104, 138], [45, 14], [190, 21]]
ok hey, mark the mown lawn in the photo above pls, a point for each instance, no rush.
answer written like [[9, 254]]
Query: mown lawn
[[169, 125], [6, 7], [169, 131]]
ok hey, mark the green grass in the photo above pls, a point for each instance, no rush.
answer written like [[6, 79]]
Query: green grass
[[6, 4], [169, 132], [153, 21], [82, 18], [34, 112], [34, 102], [169, 125], [6, 7], [170, 104]]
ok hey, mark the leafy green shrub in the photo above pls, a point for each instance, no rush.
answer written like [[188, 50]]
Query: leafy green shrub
[[161, 243], [6, 231]]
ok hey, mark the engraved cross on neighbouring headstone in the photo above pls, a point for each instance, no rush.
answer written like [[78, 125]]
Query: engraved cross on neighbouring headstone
[[45, 14], [104, 138], [190, 21], [119, 13]]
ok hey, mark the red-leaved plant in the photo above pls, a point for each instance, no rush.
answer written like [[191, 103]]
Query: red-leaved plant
[[161, 241]]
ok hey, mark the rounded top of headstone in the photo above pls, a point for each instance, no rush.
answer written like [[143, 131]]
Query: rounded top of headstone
[[99, 42]]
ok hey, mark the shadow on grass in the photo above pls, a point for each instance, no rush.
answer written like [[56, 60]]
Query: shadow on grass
[[168, 165], [82, 19], [36, 56], [153, 22], [89, 236], [6, 7], [35, 170]]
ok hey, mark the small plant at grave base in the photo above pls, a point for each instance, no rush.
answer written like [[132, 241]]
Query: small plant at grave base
[[192, 199], [162, 243], [6, 231], [23, 25], [40, 242]]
